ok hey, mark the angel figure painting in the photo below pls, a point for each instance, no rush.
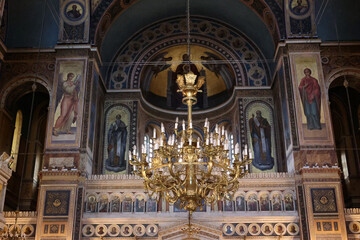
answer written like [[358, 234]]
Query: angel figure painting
[[66, 107]]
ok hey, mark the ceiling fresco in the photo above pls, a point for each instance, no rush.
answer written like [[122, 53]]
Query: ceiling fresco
[[248, 63], [113, 22], [253, 18]]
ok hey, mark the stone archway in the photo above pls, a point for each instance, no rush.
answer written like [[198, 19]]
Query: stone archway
[[344, 97], [30, 95]]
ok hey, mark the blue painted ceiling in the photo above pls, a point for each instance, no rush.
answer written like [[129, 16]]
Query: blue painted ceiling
[[24, 23], [25, 18], [142, 13], [345, 14]]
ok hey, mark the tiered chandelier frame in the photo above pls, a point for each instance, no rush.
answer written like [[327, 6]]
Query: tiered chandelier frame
[[192, 171]]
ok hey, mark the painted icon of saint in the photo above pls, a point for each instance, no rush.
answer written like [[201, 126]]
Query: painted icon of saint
[[260, 131], [310, 95]]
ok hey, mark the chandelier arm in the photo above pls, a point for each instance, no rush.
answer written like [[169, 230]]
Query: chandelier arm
[[210, 167], [151, 193], [170, 188], [171, 171], [235, 178], [212, 197], [171, 199], [155, 188]]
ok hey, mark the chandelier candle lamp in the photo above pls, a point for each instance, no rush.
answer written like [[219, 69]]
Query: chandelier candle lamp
[[192, 171]]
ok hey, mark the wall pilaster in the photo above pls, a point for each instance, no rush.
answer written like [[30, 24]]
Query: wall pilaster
[[59, 202], [321, 200], [68, 143]]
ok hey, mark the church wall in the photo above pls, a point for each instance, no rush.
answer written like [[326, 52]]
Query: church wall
[[102, 210], [105, 102], [300, 197]]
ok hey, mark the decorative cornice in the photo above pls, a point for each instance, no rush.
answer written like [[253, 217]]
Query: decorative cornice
[[337, 44], [265, 175], [62, 172], [352, 211], [313, 170], [114, 177], [253, 181], [305, 46], [25, 214], [268, 175]]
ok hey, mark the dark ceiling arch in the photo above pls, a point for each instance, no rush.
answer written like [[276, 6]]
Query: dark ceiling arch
[[264, 16]]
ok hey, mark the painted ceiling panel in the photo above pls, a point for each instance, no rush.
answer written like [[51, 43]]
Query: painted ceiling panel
[[344, 14], [24, 21], [145, 12], [25, 18]]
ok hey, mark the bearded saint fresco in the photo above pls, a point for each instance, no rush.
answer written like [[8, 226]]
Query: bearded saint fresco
[[117, 138], [260, 132]]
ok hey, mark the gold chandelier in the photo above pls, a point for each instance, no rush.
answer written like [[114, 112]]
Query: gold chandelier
[[182, 168], [187, 169]]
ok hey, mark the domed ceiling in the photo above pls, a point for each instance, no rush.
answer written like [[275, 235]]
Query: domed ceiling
[[235, 13], [24, 20]]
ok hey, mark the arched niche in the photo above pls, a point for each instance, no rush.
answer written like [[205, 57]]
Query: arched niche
[[344, 97], [117, 139], [261, 136], [244, 63], [30, 96]]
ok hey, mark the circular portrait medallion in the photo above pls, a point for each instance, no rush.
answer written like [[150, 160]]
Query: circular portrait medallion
[[267, 229], [280, 229], [88, 230], [151, 230], [126, 230], [299, 7], [27, 230], [241, 229], [228, 229], [254, 229], [113, 230], [293, 229], [249, 56], [139, 230], [74, 11], [256, 73], [100, 230], [354, 227]]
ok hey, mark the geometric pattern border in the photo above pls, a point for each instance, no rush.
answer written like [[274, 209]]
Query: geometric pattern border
[[324, 200], [57, 203]]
